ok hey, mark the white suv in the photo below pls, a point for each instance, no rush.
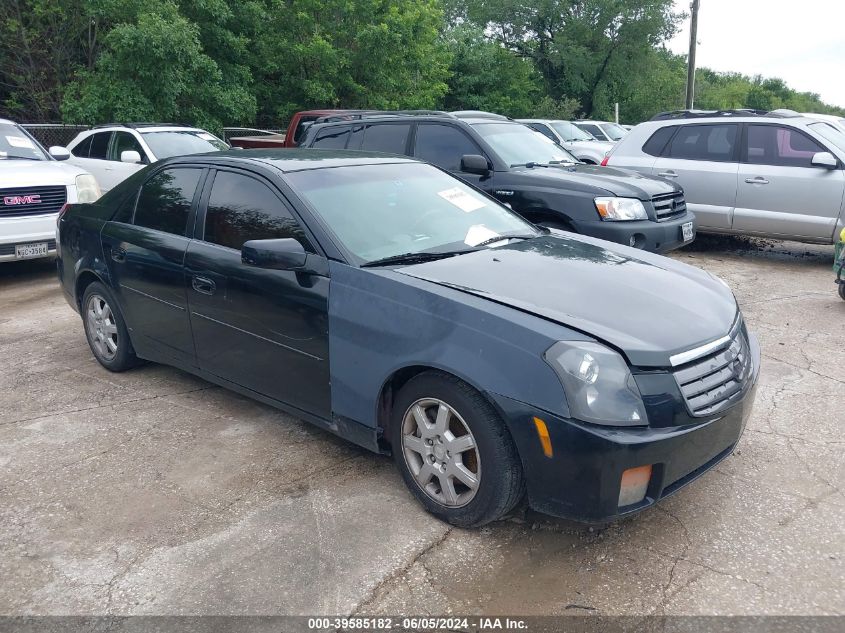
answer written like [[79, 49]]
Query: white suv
[[602, 130], [584, 146], [114, 152], [34, 186]]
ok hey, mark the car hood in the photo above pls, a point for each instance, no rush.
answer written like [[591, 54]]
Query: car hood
[[647, 306], [613, 181], [601, 147], [31, 173]]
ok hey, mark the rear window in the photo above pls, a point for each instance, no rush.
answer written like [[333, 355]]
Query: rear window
[[386, 137], [705, 142], [658, 141]]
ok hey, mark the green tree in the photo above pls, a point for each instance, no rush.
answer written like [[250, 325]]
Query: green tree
[[152, 67], [349, 53], [486, 76], [584, 49]]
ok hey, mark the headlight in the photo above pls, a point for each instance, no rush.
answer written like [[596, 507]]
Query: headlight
[[598, 384], [619, 209], [87, 189]]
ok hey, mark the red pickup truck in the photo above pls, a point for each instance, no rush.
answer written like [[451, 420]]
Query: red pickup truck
[[295, 133]]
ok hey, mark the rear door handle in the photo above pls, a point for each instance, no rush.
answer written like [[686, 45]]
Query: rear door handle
[[667, 174], [203, 285], [118, 254], [758, 180]]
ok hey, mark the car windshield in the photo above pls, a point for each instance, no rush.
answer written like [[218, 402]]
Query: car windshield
[[15, 144], [570, 132], [613, 131], [381, 211], [518, 144], [829, 133], [182, 142]]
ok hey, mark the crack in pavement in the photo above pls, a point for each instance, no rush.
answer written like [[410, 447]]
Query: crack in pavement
[[399, 573]]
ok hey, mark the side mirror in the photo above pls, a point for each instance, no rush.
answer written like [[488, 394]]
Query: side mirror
[[281, 254], [474, 164], [58, 152], [824, 159], [130, 156]]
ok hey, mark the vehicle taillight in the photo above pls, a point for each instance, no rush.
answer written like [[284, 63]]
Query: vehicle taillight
[[604, 160]]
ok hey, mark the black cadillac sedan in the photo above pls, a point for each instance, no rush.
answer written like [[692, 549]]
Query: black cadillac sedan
[[387, 302]]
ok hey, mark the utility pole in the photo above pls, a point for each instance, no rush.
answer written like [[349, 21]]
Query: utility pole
[[693, 36]]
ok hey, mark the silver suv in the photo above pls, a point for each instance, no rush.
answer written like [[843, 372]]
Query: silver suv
[[775, 174]]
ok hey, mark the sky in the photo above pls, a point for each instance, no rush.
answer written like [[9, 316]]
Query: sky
[[802, 42]]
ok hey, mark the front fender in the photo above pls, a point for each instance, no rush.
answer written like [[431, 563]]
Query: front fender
[[381, 321]]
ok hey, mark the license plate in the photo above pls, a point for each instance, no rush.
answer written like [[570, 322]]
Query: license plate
[[23, 251], [687, 231]]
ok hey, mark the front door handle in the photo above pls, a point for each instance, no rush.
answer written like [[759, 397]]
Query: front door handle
[[758, 180], [203, 285], [118, 254], [667, 174]]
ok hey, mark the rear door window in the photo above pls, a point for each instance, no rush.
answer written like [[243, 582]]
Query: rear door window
[[100, 145], [705, 142], [164, 203], [779, 146], [443, 145], [386, 137]]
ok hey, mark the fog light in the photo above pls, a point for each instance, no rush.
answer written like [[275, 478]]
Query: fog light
[[634, 485], [543, 434]]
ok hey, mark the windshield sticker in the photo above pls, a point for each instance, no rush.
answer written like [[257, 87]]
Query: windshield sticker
[[19, 141], [205, 136], [478, 233], [461, 199]]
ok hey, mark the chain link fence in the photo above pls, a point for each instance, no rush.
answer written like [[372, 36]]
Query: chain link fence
[[53, 133], [59, 134]]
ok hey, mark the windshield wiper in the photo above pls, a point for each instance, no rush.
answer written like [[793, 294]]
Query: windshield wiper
[[412, 258], [15, 157], [502, 238]]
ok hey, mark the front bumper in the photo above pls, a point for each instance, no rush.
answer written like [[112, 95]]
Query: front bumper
[[581, 481], [657, 237], [34, 229]]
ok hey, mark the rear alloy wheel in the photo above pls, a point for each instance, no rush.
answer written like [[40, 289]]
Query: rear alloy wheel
[[454, 450], [105, 329]]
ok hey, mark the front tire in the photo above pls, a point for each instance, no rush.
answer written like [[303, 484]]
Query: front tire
[[105, 329], [842, 289], [454, 451]]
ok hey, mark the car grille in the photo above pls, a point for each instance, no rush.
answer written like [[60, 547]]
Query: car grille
[[18, 201], [718, 380], [9, 249], [669, 205]]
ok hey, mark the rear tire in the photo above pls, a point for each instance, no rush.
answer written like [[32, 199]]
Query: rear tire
[[454, 451], [842, 289], [105, 329]]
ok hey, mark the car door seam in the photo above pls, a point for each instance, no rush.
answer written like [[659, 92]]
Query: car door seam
[[258, 336]]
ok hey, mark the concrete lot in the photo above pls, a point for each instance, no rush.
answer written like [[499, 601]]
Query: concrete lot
[[153, 492]]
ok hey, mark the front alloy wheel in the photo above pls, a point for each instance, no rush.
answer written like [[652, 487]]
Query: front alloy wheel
[[441, 452], [454, 450]]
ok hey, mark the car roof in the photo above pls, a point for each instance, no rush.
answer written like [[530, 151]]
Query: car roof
[[735, 119], [295, 159], [7, 121]]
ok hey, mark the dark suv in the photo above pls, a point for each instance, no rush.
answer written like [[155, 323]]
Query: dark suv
[[534, 176]]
